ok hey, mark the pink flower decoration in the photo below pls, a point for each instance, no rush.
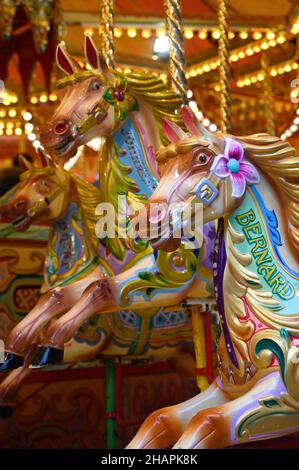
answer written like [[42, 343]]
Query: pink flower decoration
[[232, 165]]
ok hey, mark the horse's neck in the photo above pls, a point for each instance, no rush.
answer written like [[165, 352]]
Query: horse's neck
[[137, 141], [70, 253], [261, 220], [256, 277]]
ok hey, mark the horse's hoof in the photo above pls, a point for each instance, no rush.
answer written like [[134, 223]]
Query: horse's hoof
[[11, 361], [47, 355], [5, 411]]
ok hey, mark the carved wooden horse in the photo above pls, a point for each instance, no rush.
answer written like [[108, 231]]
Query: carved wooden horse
[[127, 111], [50, 193], [251, 185]]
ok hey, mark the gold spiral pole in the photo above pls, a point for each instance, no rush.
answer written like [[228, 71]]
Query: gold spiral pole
[[107, 32], [224, 69], [177, 61], [268, 94]]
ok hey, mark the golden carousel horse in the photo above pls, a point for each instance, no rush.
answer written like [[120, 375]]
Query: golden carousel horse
[[251, 186], [124, 275]]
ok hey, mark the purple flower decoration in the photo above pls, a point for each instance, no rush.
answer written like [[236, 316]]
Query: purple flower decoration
[[232, 164]]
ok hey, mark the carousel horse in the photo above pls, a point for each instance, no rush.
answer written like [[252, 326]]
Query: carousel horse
[[126, 111], [251, 186], [48, 192]]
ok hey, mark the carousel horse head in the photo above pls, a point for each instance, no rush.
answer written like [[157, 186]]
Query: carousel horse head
[[215, 170], [40, 195], [94, 101]]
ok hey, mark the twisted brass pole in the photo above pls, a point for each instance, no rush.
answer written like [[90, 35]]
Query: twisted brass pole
[[268, 94], [224, 70], [107, 32], [177, 61]]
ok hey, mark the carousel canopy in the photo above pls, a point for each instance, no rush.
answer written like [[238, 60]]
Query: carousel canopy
[[258, 31]]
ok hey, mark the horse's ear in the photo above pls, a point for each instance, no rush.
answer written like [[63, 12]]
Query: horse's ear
[[93, 56], [103, 65], [65, 62], [172, 131], [190, 121], [198, 130], [91, 52], [44, 157], [24, 163]]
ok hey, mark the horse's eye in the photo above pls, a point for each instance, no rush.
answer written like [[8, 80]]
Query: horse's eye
[[44, 186], [202, 158], [95, 86]]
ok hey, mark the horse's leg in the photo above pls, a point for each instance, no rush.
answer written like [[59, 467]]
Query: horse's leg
[[9, 387], [24, 333], [163, 427], [258, 414], [49, 306], [103, 297]]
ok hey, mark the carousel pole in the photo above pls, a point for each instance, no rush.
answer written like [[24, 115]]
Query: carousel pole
[[224, 69], [268, 94], [107, 32], [110, 404], [179, 84], [200, 320], [108, 52], [177, 61]]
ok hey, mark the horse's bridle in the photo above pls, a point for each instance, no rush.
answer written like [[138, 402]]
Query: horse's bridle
[[206, 190], [113, 95], [94, 117], [43, 202]]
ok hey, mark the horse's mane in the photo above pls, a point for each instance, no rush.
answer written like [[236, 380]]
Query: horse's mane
[[278, 160], [153, 91], [89, 197]]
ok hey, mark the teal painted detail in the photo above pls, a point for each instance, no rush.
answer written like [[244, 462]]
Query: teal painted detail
[[233, 165], [255, 417], [148, 337], [274, 234], [270, 403], [272, 346], [129, 140], [260, 230], [134, 345], [243, 422], [285, 337]]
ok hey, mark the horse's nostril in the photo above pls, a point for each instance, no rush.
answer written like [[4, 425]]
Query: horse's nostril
[[18, 207], [61, 127], [20, 204]]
